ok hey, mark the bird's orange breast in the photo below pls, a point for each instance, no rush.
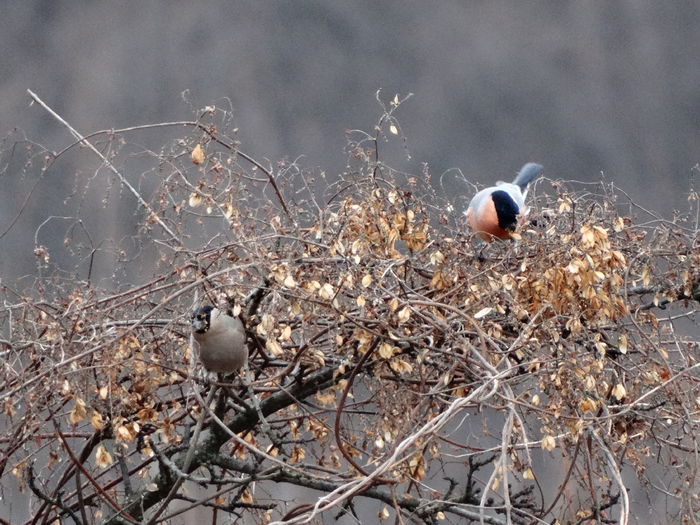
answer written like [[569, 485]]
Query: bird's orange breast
[[484, 221]]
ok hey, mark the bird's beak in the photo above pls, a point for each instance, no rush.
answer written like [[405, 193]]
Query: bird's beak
[[198, 325]]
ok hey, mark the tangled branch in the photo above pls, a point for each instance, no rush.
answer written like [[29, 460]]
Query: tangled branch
[[393, 358]]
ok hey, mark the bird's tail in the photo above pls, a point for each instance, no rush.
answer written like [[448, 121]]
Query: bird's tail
[[528, 172]]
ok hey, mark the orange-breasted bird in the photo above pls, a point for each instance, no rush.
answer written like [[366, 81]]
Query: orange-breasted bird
[[494, 211]]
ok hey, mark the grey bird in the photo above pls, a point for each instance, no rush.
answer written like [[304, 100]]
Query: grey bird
[[221, 338], [494, 211]]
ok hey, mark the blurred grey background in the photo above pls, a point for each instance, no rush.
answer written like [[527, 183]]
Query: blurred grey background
[[581, 87], [588, 89]]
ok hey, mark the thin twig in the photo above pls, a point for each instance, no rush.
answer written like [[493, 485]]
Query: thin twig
[[152, 215]]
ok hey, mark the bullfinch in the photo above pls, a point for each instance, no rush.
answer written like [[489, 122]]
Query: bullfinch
[[494, 211], [221, 338]]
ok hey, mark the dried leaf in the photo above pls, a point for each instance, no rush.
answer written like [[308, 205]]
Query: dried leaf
[[548, 443], [274, 347], [195, 200], [266, 324], [96, 421], [197, 155], [326, 398], [127, 433], [42, 253], [400, 366], [483, 312], [286, 334], [79, 411], [564, 204], [386, 351], [587, 404], [618, 224], [619, 391], [102, 457], [437, 257], [623, 343], [326, 291], [247, 497]]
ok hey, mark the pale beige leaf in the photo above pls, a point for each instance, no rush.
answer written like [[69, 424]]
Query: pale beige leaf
[[197, 155], [96, 421], [623, 343], [79, 411], [274, 347], [326, 291], [195, 199], [386, 350], [286, 334], [102, 457], [483, 312], [548, 443], [619, 391]]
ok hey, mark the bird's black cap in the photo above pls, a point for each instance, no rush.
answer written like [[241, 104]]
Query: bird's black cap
[[202, 311], [201, 318]]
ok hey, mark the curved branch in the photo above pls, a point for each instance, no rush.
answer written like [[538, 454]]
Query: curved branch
[[162, 485], [151, 214], [341, 405]]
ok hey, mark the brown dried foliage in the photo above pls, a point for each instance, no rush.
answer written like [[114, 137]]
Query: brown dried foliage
[[393, 356]]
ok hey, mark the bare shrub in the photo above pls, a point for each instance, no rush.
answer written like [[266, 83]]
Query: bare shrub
[[393, 357]]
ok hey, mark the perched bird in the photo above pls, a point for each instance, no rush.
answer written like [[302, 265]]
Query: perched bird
[[221, 338], [494, 211]]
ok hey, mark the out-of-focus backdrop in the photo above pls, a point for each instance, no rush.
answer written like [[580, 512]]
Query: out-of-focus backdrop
[[583, 87]]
